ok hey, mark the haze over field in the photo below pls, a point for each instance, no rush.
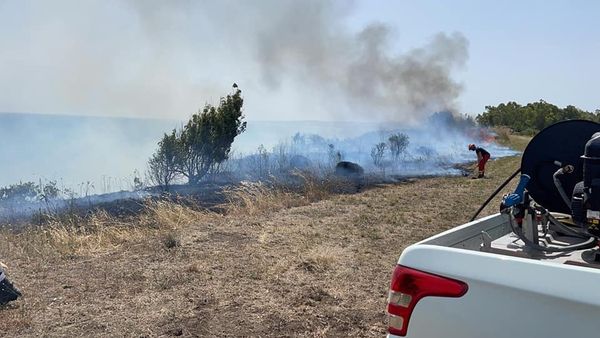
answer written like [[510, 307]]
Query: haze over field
[[109, 152]]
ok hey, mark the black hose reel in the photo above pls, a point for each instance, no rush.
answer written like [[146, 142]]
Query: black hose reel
[[560, 170], [555, 147]]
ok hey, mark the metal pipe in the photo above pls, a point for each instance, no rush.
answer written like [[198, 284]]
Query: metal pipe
[[564, 170]]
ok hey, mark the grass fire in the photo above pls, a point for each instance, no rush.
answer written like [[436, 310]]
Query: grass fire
[[199, 160], [199, 202]]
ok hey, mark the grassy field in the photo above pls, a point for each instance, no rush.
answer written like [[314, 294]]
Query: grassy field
[[275, 264]]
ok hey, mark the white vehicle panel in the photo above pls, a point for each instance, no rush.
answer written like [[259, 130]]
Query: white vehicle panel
[[507, 296]]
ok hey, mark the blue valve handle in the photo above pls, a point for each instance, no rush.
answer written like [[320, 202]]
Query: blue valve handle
[[517, 196]]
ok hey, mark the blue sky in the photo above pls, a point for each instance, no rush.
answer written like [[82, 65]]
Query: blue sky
[[518, 50], [167, 58]]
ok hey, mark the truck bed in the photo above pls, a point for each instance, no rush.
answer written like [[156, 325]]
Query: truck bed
[[494, 235]]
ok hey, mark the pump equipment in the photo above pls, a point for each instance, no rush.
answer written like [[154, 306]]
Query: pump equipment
[[585, 202], [560, 175]]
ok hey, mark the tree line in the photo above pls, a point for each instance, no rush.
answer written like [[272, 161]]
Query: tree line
[[30, 192], [532, 117]]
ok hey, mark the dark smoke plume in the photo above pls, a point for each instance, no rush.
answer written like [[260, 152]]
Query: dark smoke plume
[[308, 42]]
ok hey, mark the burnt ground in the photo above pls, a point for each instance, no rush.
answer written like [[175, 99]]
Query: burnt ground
[[210, 195], [317, 269]]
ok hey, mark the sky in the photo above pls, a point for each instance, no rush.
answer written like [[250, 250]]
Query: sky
[[295, 60]]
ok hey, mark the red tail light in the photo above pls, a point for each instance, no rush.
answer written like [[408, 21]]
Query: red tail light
[[408, 287]]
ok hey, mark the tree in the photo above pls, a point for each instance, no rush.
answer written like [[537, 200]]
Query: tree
[[398, 143], [201, 145], [260, 165], [48, 191], [206, 139], [377, 154], [335, 156], [163, 165]]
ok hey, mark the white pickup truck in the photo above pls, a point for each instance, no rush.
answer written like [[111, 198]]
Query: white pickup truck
[[518, 273], [459, 285]]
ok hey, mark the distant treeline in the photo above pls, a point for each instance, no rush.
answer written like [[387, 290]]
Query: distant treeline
[[533, 117]]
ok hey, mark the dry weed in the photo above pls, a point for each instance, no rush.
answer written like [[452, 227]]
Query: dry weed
[[76, 236], [170, 240], [315, 188], [14, 320], [256, 198], [503, 135], [322, 258], [168, 214]]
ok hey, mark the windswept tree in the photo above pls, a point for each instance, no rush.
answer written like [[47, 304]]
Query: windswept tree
[[201, 145], [398, 143], [163, 165], [206, 139]]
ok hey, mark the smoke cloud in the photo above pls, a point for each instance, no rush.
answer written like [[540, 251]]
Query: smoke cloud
[[311, 46], [294, 60]]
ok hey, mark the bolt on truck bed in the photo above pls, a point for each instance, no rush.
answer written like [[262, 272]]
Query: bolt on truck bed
[[477, 280]]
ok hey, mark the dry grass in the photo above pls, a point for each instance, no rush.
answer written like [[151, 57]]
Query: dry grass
[[259, 198], [73, 236], [94, 234], [277, 263]]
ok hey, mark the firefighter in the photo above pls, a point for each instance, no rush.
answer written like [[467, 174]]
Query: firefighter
[[482, 157]]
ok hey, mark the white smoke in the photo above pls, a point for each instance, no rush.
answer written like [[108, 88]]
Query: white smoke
[[295, 60]]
